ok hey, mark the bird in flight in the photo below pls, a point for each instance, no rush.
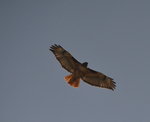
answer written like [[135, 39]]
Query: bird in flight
[[80, 70]]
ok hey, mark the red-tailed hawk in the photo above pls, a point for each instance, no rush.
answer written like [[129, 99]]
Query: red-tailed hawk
[[80, 70]]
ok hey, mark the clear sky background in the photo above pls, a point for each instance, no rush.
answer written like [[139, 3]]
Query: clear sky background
[[113, 36]]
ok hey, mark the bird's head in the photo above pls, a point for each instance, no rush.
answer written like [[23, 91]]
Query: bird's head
[[85, 64]]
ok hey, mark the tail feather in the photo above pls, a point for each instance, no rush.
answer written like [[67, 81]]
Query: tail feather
[[68, 77], [73, 83]]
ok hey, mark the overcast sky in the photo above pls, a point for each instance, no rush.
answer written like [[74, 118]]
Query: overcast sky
[[113, 36]]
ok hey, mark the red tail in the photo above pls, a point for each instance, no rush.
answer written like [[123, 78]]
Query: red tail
[[74, 83]]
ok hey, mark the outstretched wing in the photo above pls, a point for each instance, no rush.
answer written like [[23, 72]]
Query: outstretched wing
[[66, 60], [98, 79]]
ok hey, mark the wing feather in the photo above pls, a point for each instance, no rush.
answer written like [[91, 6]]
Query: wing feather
[[66, 60], [98, 79]]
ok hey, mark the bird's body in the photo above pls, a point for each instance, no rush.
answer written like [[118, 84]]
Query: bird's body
[[80, 70]]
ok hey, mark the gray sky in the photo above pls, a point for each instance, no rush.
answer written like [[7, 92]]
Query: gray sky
[[113, 36]]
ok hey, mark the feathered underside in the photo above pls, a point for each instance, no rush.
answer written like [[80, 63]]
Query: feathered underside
[[80, 70]]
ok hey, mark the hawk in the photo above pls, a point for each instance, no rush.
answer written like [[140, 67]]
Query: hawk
[[80, 70]]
